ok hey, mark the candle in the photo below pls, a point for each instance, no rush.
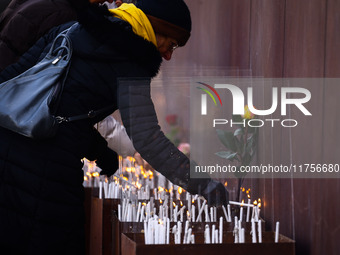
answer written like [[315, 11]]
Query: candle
[[193, 213], [192, 239], [248, 211], [199, 218], [253, 231], [212, 214], [168, 231], [259, 230], [242, 235], [142, 214], [221, 230], [213, 234], [256, 213], [200, 211], [100, 190], [119, 212], [206, 213], [225, 213], [241, 214], [236, 230], [207, 234], [277, 232], [229, 213], [240, 204]]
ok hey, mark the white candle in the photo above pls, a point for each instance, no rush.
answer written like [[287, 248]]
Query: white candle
[[213, 234], [179, 231], [229, 213], [167, 230], [193, 213], [138, 211], [199, 218], [241, 214], [119, 212], [189, 235], [256, 213], [105, 189], [100, 190], [240, 204], [200, 211], [175, 213], [207, 234], [225, 213], [192, 239], [212, 214], [259, 230], [242, 235], [142, 214], [206, 213], [157, 233], [248, 211], [221, 230], [277, 232], [253, 231]]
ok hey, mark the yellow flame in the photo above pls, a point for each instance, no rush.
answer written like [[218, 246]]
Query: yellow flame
[[255, 202], [125, 178], [85, 178], [144, 203], [174, 204], [160, 200], [226, 184], [188, 214], [180, 190], [95, 174], [160, 189], [138, 185], [242, 203], [193, 201], [181, 203]]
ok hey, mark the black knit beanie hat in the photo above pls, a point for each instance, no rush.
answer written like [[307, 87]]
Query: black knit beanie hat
[[168, 17]]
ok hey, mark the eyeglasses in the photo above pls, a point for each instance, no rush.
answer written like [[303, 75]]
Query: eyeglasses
[[172, 46]]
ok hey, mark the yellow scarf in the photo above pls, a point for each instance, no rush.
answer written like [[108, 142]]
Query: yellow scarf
[[137, 19]]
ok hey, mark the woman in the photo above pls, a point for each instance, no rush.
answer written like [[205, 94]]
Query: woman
[[115, 54]]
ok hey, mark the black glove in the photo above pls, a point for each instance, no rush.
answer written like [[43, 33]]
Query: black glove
[[108, 162], [215, 193]]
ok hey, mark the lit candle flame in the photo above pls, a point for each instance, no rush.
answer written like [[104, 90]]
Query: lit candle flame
[[180, 190], [226, 184], [181, 203], [174, 204], [255, 202]]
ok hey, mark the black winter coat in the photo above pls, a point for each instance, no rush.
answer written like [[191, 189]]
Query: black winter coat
[[41, 194], [25, 21]]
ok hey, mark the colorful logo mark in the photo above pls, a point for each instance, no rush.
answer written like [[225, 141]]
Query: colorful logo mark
[[204, 97]]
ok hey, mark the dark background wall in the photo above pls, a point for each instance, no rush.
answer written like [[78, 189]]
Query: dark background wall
[[282, 38]]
